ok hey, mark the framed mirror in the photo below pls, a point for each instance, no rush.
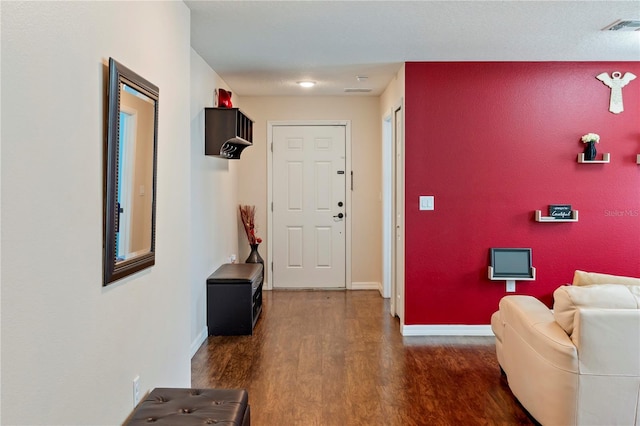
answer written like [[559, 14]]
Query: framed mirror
[[130, 174]]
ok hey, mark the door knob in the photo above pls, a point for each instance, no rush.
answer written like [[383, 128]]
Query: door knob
[[339, 216]]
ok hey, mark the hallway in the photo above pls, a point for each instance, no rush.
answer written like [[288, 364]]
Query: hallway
[[337, 358]]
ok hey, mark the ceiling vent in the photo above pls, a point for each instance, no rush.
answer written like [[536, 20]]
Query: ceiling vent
[[356, 90], [624, 25]]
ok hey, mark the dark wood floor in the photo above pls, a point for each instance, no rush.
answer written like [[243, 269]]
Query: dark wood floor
[[337, 358]]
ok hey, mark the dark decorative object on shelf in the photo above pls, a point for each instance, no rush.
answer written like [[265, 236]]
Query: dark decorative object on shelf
[[247, 215], [254, 256], [224, 98], [590, 151], [560, 211], [590, 140]]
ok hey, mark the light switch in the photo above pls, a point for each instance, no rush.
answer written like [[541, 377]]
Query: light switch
[[427, 202]]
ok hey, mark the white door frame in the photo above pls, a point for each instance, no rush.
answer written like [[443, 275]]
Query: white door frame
[[393, 210], [399, 217], [347, 190], [388, 234]]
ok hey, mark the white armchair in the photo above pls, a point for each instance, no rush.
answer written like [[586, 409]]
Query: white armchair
[[580, 363]]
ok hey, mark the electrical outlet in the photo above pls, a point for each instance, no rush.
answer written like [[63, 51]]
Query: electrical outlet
[[136, 390]]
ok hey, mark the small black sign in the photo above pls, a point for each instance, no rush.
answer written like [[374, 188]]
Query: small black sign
[[560, 211]]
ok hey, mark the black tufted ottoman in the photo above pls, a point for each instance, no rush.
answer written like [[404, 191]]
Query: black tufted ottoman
[[172, 406]]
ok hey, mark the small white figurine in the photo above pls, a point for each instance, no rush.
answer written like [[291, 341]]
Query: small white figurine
[[616, 83]]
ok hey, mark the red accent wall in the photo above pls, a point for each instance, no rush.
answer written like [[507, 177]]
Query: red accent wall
[[494, 142]]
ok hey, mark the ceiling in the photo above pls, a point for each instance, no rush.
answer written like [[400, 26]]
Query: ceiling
[[262, 48]]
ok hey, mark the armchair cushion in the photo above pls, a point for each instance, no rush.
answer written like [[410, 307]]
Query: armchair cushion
[[568, 299], [589, 278], [605, 340]]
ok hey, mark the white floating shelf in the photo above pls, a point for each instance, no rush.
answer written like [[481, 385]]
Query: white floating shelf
[[540, 218], [605, 159], [510, 282], [531, 277]]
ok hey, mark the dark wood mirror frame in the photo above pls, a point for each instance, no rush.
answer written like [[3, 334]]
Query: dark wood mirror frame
[[114, 267]]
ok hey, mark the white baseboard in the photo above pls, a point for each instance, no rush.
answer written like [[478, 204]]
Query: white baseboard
[[446, 330], [364, 285], [195, 345]]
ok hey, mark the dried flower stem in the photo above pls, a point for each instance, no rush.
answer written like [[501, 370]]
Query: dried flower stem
[[247, 215]]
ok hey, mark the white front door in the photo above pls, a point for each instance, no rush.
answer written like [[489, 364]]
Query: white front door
[[309, 206]]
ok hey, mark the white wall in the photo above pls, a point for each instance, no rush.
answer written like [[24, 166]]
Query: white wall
[[393, 93], [70, 347], [363, 111], [214, 201]]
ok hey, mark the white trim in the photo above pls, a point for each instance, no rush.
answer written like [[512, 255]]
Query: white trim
[[195, 345], [398, 258], [347, 125], [446, 330], [388, 232], [267, 284], [366, 285]]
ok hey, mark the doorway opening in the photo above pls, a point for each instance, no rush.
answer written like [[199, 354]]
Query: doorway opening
[[393, 209]]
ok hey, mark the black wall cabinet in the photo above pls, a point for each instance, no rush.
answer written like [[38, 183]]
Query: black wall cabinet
[[227, 132]]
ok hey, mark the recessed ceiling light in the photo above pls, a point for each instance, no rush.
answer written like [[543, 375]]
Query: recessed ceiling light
[[307, 83]]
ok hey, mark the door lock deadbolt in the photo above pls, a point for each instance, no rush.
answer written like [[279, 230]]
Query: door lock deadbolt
[[340, 203]]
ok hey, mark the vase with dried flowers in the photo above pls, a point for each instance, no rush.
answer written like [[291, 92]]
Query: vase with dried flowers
[[247, 215], [590, 140]]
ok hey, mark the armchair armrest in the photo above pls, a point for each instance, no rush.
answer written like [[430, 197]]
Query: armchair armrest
[[533, 322]]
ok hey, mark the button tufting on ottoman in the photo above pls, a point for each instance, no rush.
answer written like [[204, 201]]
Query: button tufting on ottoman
[[173, 406]]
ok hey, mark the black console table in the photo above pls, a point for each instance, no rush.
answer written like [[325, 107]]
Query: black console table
[[234, 299]]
